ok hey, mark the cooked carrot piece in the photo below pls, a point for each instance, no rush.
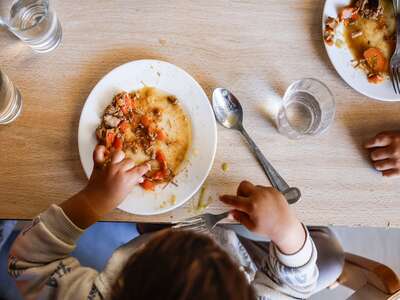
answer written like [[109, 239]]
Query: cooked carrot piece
[[375, 59], [146, 121], [148, 185], [123, 126], [117, 143], [161, 135], [110, 136]]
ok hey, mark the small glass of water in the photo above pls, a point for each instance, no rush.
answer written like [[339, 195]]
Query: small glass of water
[[10, 100], [308, 108], [32, 21]]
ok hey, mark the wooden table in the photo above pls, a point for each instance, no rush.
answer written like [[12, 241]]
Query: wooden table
[[242, 45]]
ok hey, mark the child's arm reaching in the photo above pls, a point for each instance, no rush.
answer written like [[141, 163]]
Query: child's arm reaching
[[291, 265], [40, 257]]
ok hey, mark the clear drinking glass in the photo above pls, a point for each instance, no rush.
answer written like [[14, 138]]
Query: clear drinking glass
[[10, 100], [32, 21], [308, 108]]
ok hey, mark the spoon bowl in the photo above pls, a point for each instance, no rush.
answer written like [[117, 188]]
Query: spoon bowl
[[227, 109]]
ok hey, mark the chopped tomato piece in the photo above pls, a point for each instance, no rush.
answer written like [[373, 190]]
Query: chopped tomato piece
[[159, 175], [117, 143], [123, 126], [124, 109], [110, 136], [146, 121], [161, 136], [148, 185], [160, 157]]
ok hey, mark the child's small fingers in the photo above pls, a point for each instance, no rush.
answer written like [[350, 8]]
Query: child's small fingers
[[137, 172], [386, 164], [238, 202], [245, 189], [98, 155], [127, 164], [117, 157], [381, 140], [391, 173], [381, 153], [243, 219]]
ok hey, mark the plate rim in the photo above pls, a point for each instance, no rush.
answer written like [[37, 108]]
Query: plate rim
[[214, 129], [378, 98]]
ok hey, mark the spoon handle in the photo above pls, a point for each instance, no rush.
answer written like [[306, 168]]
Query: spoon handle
[[291, 194]]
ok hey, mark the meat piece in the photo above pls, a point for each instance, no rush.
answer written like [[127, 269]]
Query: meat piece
[[172, 99], [370, 9], [110, 110], [111, 121], [331, 23], [100, 133]]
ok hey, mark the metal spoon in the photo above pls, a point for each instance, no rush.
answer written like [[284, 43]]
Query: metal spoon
[[229, 113]]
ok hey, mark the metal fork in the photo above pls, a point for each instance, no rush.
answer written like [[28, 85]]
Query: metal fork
[[201, 223], [395, 60]]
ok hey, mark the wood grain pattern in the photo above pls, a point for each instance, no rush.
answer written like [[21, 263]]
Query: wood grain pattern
[[246, 46]]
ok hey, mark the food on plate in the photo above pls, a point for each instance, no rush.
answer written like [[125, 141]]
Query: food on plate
[[149, 126], [369, 31]]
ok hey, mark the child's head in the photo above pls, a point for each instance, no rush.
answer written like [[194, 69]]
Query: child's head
[[181, 265]]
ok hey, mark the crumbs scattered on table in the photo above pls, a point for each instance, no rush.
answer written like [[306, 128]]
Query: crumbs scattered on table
[[158, 74], [224, 167], [162, 42]]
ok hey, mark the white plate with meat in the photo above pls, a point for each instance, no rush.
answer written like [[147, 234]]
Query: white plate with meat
[[156, 113], [359, 37]]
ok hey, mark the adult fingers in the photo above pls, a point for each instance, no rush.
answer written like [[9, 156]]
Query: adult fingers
[[386, 164], [391, 173], [245, 189], [238, 202], [381, 140], [98, 155], [381, 153], [117, 156], [243, 219], [137, 173]]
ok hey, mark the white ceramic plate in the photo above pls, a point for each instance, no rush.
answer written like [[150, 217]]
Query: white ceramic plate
[[173, 80], [341, 60]]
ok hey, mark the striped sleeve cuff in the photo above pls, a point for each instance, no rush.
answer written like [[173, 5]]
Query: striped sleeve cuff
[[301, 257]]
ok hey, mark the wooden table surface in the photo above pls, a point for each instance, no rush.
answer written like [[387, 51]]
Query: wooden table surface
[[245, 46]]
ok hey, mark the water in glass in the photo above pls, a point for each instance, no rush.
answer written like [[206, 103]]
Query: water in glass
[[10, 100], [308, 108], [35, 23]]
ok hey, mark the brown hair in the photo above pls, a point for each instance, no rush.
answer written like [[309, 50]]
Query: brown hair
[[181, 265]]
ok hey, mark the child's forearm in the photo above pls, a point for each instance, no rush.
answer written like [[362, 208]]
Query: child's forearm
[[80, 210]]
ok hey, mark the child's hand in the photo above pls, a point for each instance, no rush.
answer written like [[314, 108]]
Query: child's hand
[[385, 153], [108, 186], [266, 212]]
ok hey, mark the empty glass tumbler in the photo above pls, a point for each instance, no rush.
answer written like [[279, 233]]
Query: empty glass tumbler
[[10, 100], [308, 108], [32, 21]]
